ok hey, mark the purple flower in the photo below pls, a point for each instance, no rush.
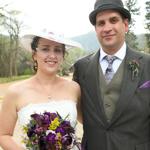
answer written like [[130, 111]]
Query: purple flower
[[51, 138], [30, 133], [67, 140], [145, 85], [60, 130]]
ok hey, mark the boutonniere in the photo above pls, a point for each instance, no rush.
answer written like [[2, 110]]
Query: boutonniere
[[145, 85], [134, 67]]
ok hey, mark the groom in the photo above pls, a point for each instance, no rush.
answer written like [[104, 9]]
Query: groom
[[116, 112]]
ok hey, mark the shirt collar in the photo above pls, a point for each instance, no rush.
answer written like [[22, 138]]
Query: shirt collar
[[120, 54]]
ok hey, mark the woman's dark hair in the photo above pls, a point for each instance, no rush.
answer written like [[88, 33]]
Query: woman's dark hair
[[34, 42]]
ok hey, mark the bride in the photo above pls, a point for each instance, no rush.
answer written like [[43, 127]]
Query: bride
[[44, 91]]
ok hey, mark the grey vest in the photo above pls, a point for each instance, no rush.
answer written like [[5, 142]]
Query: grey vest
[[111, 92]]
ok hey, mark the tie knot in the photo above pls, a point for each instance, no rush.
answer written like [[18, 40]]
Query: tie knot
[[110, 59]]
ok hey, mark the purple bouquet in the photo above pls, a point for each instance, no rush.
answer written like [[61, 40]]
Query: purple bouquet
[[48, 131]]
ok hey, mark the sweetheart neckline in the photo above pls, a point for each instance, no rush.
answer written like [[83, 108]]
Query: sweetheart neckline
[[45, 103]]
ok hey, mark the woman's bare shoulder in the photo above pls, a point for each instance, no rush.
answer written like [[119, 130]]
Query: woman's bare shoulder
[[17, 87], [70, 83]]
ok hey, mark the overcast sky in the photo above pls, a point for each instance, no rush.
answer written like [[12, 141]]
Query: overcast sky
[[68, 17]]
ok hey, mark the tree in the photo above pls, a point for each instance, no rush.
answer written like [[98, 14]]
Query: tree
[[131, 38], [4, 55], [70, 58], [147, 16], [10, 44], [13, 28]]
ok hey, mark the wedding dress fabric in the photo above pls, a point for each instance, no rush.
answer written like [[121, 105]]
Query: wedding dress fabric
[[63, 107]]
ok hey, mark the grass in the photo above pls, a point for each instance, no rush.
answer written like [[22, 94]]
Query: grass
[[14, 78]]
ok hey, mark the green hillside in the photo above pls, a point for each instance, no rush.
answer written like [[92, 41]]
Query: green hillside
[[90, 43]]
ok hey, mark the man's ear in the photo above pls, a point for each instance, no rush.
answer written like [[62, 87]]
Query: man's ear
[[126, 22]]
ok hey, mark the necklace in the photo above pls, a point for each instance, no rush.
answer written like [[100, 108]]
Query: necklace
[[49, 97], [44, 89]]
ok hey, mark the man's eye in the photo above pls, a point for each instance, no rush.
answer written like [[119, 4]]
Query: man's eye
[[100, 23], [114, 20]]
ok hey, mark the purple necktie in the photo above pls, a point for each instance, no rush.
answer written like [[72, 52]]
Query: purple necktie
[[109, 71]]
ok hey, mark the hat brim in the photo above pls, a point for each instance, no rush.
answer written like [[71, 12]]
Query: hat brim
[[121, 10], [27, 39]]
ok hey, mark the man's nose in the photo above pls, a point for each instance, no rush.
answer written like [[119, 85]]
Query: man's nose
[[107, 27]]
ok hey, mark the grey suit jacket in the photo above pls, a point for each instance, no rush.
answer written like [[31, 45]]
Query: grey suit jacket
[[129, 128]]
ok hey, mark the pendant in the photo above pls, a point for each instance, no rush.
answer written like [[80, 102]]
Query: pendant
[[49, 97]]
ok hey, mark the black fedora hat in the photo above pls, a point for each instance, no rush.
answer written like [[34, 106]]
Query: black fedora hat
[[101, 5]]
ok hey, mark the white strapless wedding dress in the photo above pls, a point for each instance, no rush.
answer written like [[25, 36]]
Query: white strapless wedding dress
[[63, 107]]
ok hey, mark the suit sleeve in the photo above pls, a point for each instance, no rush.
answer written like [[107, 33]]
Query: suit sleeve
[[75, 73]]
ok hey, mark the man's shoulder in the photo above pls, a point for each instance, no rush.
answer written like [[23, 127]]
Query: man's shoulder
[[140, 54]]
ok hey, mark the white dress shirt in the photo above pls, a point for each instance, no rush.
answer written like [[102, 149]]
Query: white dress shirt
[[120, 54]]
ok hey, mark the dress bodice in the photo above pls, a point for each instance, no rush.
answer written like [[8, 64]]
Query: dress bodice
[[63, 107]]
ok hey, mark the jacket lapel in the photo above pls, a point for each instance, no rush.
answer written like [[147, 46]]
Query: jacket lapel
[[91, 82], [129, 85]]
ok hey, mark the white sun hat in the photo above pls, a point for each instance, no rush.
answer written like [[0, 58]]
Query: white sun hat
[[27, 39]]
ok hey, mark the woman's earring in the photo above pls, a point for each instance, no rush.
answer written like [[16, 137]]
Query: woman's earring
[[35, 66]]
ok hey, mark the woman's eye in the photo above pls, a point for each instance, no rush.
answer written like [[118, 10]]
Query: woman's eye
[[45, 49], [58, 50]]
